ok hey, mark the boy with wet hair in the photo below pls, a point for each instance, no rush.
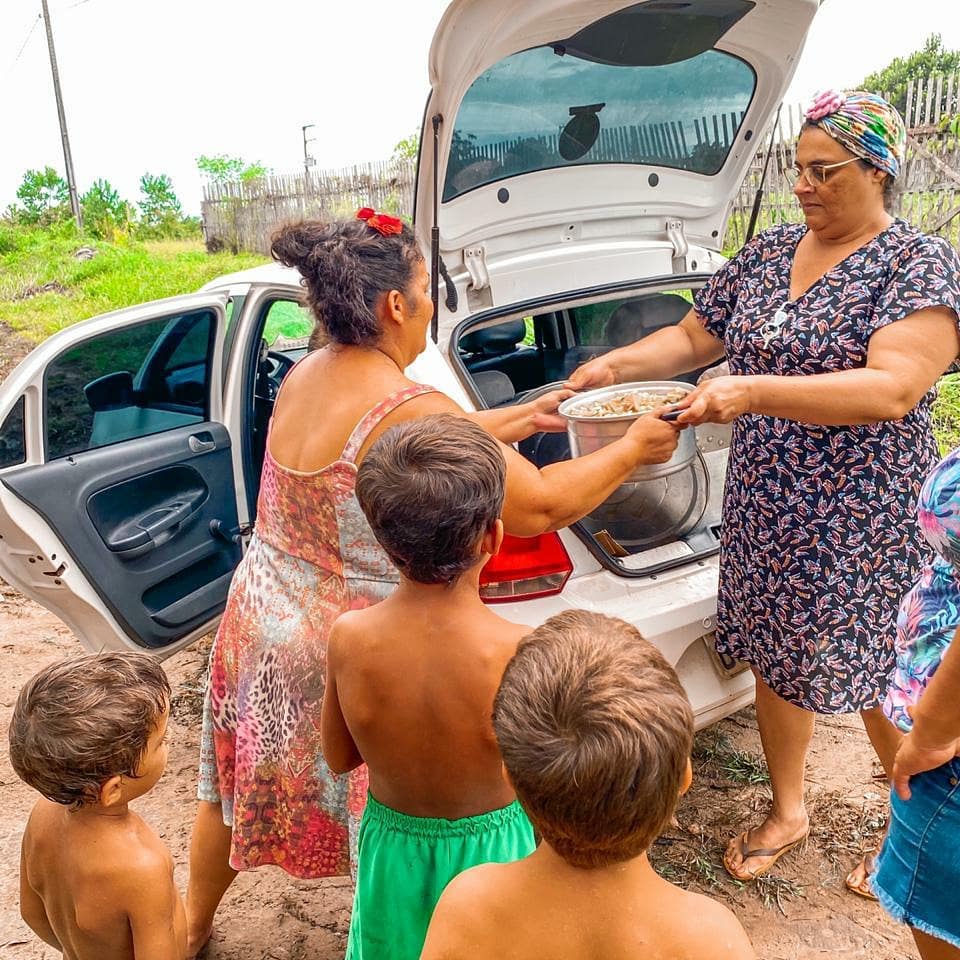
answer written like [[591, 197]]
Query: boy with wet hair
[[95, 881], [411, 681], [595, 732]]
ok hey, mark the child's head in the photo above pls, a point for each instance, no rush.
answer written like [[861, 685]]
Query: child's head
[[432, 490], [81, 726], [595, 732]]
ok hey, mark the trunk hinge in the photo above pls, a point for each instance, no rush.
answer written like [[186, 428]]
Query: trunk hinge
[[475, 260], [677, 237]]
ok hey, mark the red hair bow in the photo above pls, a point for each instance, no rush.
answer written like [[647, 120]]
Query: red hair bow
[[383, 223]]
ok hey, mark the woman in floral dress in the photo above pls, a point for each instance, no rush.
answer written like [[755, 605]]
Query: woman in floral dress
[[835, 332], [266, 795]]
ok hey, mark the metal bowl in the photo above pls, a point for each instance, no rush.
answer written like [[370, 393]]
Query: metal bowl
[[588, 434]]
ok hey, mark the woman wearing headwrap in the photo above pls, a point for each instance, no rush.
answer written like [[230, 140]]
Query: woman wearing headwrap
[[835, 332]]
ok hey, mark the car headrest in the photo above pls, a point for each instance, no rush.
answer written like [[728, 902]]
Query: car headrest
[[634, 319], [493, 341]]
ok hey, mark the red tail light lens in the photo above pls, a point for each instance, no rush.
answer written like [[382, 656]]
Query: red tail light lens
[[525, 568]]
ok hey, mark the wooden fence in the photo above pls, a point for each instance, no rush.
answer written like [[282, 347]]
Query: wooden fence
[[243, 215]]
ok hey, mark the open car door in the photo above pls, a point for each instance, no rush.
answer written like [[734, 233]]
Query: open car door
[[118, 505]]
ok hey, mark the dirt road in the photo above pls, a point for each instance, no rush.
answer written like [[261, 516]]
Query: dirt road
[[801, 913]]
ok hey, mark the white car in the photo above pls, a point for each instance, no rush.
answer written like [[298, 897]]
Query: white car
[[587, 154]]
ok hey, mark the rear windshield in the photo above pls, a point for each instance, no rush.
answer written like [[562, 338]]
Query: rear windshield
[[548, 107]]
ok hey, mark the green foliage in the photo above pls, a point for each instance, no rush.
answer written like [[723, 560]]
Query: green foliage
[[894, 78], [105, 214], [120, 275], [158, 202], [407, 149], [43, 195], [222, 168]]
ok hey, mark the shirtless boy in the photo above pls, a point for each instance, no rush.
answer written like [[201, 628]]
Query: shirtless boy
[[95, 881], [410, 684], [595, 732]]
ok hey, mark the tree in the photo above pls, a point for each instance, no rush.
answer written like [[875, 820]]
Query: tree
[[407, 149], [222, 168], [894, 78], [44, 195], [158, 203], [103, 209]]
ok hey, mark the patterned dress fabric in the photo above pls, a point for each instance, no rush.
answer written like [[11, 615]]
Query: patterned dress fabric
[[930, 612], [820, 540], [311, 557]]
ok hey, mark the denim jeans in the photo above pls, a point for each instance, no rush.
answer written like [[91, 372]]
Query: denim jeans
[[917, 879]]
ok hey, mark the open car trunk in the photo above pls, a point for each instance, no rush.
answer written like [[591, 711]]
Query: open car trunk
[[507, 358]]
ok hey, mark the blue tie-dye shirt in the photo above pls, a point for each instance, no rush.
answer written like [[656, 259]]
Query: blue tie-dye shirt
[[930, 612]]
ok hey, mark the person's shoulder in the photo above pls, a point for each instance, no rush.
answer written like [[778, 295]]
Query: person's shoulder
[[717, 930], [771, 239], [143, 867], [466, 913]]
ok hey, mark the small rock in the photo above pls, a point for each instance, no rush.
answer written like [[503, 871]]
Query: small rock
[[695, 829], [85, 253]]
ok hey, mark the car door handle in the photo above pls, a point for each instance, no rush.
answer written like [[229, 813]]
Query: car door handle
[[154, 528], [202, 443]]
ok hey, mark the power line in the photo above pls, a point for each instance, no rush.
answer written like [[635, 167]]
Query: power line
[[23, 46]]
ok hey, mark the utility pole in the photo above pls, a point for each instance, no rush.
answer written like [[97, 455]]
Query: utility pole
[[67, 159], [308, 158]]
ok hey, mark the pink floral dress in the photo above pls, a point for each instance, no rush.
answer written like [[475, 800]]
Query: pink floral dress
[[312, 556]]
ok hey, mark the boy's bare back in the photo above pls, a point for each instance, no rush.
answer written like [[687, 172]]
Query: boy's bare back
[[103, 885], [544, 907], [420, 670]]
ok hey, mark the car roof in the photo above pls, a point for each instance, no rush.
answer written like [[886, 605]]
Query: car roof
[[268, 273]]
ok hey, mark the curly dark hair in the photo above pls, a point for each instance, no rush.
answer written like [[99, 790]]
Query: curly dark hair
[[346, 267], [431, 488], [81, 721]]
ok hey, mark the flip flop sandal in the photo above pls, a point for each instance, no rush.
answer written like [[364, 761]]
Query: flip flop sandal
[[863, 890], [746, 853]]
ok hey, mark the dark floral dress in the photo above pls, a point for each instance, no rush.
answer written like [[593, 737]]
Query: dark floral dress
[[820, 540]]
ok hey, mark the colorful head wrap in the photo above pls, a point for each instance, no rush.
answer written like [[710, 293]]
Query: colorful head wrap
[[868, 126]]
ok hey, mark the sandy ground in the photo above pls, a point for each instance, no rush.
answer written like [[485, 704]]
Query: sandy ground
[[800, 913]]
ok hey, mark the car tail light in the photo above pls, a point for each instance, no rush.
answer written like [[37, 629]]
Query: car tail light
[[525, 568]]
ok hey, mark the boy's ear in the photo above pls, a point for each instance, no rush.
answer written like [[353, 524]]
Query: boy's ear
[[111, 791], [493, 538], [687, 778]]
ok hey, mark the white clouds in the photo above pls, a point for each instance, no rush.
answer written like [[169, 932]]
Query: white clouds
[[149, 86]]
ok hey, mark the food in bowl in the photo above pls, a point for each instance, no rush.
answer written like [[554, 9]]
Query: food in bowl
[[627, 403]]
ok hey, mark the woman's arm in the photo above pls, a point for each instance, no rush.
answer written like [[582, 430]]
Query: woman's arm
[[339, 749], [904, 360], [935, 737], [660, 356], [540, 500], [519, 421]]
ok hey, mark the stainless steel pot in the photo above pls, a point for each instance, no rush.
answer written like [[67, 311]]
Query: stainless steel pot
[[588, 434]]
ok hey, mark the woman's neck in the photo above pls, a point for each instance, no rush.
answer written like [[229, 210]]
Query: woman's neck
[[846, 235]]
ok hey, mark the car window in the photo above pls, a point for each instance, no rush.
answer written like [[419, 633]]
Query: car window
[[129, 383], [286, 323], [13, 447], [600, 99]]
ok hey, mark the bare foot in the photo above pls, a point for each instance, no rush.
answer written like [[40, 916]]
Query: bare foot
[[197, 944], [754, 852]]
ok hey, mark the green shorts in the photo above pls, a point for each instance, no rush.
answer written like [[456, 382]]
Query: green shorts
[[405, 862]]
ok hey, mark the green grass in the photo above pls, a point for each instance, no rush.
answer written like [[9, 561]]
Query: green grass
[[120, 275]]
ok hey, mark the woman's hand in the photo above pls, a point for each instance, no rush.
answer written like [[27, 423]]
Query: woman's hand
[[914, 756], [720, 400], [599, 372], [543, 412], [658, 439]]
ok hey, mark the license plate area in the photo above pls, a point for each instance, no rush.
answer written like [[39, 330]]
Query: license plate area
[[725, 665]]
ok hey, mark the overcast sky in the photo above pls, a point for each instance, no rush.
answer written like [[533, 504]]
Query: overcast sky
[[149, 87]]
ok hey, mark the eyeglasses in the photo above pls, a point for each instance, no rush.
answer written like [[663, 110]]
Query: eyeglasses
[[815, 174]]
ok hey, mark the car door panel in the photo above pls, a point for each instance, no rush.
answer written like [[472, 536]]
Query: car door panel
[[118, 501], [150, 523]]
